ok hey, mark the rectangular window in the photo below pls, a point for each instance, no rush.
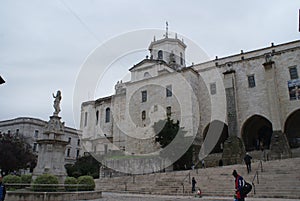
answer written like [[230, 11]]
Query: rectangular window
[[293, 73], [144, 96], [36, 133], [251, 81], [69, 140], [169, 91], [169, 111], [213, 88], [17, 132], [78, 142], [35, 147]]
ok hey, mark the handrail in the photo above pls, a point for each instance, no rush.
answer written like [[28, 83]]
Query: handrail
[[260, 166]]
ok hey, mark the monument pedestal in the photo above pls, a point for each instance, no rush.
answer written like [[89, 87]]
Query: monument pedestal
[[233, 151], [52, 146], [279, 148]]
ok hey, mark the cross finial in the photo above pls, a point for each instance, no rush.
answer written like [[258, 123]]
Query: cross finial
[[167, 27]]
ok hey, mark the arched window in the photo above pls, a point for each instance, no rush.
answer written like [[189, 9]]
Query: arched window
[[85, 118], [147, 75], [143, 115], [97, 116], [107, 115], [160, 54]]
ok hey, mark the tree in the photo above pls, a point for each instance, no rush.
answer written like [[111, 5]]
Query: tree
[[15, 153], [166, 131], [86, 165]]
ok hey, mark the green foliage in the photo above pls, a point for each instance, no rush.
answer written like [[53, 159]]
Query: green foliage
[[70, 181], [15, 153], [166, 132], [26, 178], [45, 179], [86, 165], [86, 180], [12, 179]]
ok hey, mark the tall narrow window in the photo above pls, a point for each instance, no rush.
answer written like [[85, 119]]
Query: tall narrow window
[[213, 88], [169, 111], [78, 142], [97, 117], [105, 148], [251, 81], [293, 73], [160, 55], [69, 140], [85, 118], [181, 59], [169, 91], [77, 153], [143, 115], [144, 96], [68, 152], [107, 115]]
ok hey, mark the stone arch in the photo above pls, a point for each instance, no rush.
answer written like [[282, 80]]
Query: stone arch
[[215, 127], [292, 129], [256, 133]]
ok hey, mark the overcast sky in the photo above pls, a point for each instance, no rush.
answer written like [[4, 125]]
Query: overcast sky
[[44, 43]]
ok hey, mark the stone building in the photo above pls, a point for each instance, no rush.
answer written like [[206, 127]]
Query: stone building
[[234, 104], [32, 129]]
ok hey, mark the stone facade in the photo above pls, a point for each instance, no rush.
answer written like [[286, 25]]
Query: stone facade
[[32, 129], [248, 93]]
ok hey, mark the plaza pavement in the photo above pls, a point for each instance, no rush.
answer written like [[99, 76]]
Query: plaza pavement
[[139, 197]]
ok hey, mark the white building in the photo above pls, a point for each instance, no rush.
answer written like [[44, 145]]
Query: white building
[[254, 96], [32, 129]]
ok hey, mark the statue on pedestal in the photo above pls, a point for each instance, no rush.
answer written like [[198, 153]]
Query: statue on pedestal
[[56, 104]]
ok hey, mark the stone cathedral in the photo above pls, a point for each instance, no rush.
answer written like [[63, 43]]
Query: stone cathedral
[[243, 102]]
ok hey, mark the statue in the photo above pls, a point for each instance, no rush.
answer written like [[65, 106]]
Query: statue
[[57, 100]]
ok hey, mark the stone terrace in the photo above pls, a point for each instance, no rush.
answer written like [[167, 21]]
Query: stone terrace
[[279, 179]]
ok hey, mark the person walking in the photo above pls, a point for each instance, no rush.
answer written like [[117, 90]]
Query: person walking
[[247, 160], [239, 183], [2, 190], [193, 185]]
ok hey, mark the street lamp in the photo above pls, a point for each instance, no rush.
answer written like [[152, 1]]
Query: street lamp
[[1, 80]]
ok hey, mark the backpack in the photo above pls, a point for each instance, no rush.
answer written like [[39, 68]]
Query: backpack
[[246, 189]]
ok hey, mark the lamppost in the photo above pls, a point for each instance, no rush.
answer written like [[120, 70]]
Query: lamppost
[[1, 80]]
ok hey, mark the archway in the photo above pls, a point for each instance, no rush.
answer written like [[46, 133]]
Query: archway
[[256, 133], [214, 128], [292, 129]]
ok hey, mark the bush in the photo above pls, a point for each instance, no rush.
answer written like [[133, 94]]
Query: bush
[[12, 179], [45, 179], [87, 180], [26, 178], [70, 180]]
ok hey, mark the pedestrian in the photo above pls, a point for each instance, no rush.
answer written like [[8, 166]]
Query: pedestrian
[[2, 190], [203, 163], [239, 183], [247, 160], [193, 184]]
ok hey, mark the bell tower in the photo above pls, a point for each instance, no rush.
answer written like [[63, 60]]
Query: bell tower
[[169, 50]]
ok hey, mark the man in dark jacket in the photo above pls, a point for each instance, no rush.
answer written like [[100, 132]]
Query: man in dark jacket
[[2, 190], [239, 183], [247, 160]]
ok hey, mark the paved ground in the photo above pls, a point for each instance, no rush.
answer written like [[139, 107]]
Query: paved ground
[[136, 197]]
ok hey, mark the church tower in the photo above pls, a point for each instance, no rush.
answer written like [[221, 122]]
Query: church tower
[[169, 50]]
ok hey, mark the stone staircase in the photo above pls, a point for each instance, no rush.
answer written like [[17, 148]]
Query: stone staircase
[[279, 179]]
